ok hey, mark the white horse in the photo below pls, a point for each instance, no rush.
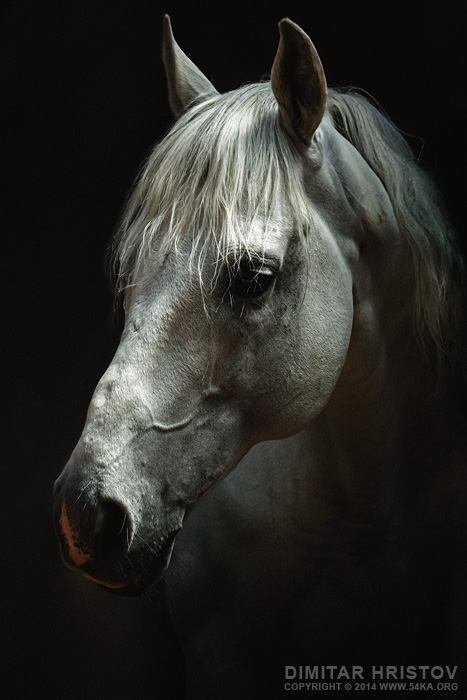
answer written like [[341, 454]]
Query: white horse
[[283, 395]]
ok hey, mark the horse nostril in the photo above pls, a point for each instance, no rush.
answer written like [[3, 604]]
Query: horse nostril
[[111, 529]]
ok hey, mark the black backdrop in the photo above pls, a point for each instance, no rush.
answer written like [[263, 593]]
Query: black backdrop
[[83, 99]]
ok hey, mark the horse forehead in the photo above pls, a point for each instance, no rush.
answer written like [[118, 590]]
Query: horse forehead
[[263, 235]]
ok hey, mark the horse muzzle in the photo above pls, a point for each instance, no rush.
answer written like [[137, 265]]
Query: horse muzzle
[[98, 539]]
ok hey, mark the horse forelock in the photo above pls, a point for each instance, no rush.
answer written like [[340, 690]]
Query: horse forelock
[[225, 165]]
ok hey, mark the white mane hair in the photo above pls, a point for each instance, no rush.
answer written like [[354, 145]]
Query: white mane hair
[[438, 267], [228, 162], [225, 164]]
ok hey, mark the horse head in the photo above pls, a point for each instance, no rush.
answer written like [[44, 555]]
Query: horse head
[[239, 252]]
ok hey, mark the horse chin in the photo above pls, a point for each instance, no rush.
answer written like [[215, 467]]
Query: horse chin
[[137, 587], [141, 583]]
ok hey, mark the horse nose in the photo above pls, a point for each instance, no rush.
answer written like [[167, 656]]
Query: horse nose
[[110, 529], [94, 536]]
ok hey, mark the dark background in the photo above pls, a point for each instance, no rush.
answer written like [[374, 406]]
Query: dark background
[[82, 100]]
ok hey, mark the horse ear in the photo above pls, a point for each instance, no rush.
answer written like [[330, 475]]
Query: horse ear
[[187, 85], [298, 82]]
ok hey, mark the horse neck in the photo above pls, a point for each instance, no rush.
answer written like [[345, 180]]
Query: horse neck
[[383, 428]]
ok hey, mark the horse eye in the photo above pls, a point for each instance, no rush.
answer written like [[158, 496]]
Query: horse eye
[[251, 279]]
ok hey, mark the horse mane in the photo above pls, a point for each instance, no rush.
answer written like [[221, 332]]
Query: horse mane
[[228, 163], [437, 263]]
